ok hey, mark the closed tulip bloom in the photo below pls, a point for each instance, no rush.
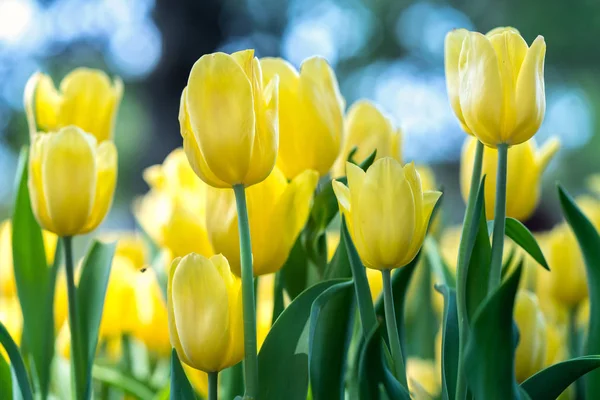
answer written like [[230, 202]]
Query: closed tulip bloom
[[311, 121], [530, 355], [229, 120], [526, 163], [277, 210], [566, 281], [86, 98], [368, 129], [71, 180], [204, 303], [387, 212], [173, 212], [496, 84]]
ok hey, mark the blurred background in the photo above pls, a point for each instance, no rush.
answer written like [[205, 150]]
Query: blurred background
[[389, 51]]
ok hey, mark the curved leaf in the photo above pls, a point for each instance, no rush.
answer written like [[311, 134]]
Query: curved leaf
[[524, 238], [181, 389], [294, 272], [283, 357], [119, 380], [329, 339], [5, 379], [16, 362], [450, 351]]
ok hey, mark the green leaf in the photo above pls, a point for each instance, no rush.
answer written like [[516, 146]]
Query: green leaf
[[294, 271], [549, 383], [16, 362], [329, 338], [181, 389], [35, 281], [450, 351], [373, 371], [490, 349], [90, 299], [283, 357], [232, 381], [6, 391], [589, 242], [339, 266], [524, 239], [122, 381]]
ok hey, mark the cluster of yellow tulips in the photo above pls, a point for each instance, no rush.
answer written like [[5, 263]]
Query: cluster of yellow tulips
[[240, 255]]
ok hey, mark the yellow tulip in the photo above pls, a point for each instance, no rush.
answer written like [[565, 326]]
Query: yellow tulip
[[311, 121], [264, 306], [530, 355], [198, 379], [12, 319], [367, 129], [566, 281], [423, 375], [386, 211], [229, 120], [333, 241], [8, 286], [525, 167], [173, 213], [278, 211], [204, 303], [71, 180], [496, 84], [86, 98]]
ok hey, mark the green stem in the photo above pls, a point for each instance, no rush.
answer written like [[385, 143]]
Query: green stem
[[468, 235], [76, 350], [249, 310], [213, 385], [392, 328], [499, 219]]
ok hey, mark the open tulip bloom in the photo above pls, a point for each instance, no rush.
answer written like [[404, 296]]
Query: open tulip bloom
[[277, 189]]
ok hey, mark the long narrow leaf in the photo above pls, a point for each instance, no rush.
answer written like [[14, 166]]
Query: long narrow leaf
[[16, 361]]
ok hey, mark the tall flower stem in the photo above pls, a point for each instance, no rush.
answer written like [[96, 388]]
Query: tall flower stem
[[213, 385], [249, 310], [392, 327], [79, 369], [499, 219], [468, 235]]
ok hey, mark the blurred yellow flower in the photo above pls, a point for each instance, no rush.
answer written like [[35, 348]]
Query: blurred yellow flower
[[264, 306], [12, 319], [86, 98], [173, 213], [333, 241], [204, 303], [566, 281], [422, 374], [531, 351], [229, 120], [367, 129], [277, 210], [311, 120], [386, 210], [71, 180], [525, 167], [496, 84]]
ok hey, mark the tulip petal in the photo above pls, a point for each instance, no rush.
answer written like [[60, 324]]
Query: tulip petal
[[480, 88], [547, 152], [220, 106], [174, 336], [43, 101], [222, 225], [530, 93], [452, 48], [35, 182], [69, 176]]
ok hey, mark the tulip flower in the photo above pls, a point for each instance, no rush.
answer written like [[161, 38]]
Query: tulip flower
[[530, 355], [368, 129], [173, 213], [496, 84], [423, 376], [71, 180], [566, 281], [525, 167], [387, 212], [311, 118], [86, 98], [204, 304], [278, 211], [228, 120]]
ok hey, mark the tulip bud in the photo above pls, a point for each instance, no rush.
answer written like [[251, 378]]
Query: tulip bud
[[204, 303], [525, 167], [173, 213], [86, 98], [423, 376], [496, 84], [566, 281], [531, 350], [229, 120], [277, 210], [368, 129], [386, 211], [311, 118], [71, 180]]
